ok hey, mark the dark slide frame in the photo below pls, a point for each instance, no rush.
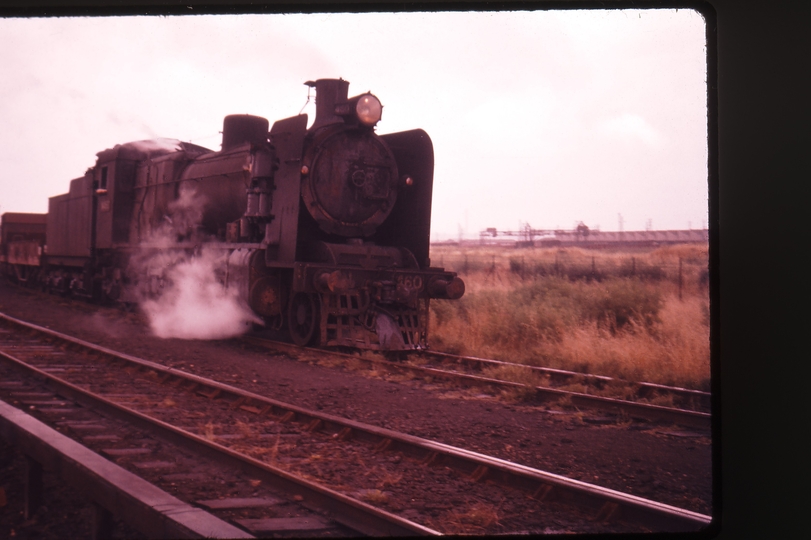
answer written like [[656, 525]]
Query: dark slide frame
[[760, 182]]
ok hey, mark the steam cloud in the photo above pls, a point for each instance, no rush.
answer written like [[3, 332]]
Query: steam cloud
[[184, 296]]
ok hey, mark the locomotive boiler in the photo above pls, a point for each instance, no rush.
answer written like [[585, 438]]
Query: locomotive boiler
[[323, 230]]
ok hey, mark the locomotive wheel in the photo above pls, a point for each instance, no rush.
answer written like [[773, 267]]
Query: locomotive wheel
[[303, 318]]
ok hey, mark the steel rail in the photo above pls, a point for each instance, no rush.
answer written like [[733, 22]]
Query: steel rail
[[564, 374], [632, 409], [540, 484]]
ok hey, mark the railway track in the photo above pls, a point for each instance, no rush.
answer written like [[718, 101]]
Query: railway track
[[116, 497], [94, 399], [466, 370], [285, 446], [684, 398]]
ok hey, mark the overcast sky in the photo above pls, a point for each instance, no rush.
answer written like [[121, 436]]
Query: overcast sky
[[546, 118]]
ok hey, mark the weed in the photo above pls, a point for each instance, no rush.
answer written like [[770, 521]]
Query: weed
[[664, 400], [522, 394], [519, 375], [329, 362], [389, 479], [208, 431], [476, 519], [401, 377], [354, 364], [269, 455], [515, 374], [578, 388], [374, 496], [245, 429], [375, 373], [564, 402]]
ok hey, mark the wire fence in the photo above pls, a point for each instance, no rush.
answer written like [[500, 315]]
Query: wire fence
[[684, 272]]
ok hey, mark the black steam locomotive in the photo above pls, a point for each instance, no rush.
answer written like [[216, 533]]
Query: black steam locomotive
[[324, 231]]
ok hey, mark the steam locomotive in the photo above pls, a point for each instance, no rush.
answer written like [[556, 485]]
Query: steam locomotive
[[322, 231]]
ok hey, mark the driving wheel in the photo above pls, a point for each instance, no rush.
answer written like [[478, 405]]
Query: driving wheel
[[303, 318]]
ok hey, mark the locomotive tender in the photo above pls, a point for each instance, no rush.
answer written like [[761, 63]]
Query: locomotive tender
[[324, 231]]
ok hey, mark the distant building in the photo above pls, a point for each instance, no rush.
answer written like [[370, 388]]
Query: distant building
[[636, 237], [585, 237]]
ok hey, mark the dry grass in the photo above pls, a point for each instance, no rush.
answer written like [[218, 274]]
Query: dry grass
[[354, 364], [374, 496], [388, 479], [517, 375], [208, 432], [476, 519], [401, 377], [632, 326], [329, 362], [519, 395], [273, 451], [246, 429], [674, 352], [259, 450], [169, 402]]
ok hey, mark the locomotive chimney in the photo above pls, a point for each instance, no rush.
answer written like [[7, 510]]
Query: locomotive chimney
[[239, 129], [328, 93]]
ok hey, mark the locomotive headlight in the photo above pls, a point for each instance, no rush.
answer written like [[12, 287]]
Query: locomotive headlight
[[368, 110]]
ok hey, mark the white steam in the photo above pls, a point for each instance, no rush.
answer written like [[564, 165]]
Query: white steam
[[184, 295], [195, 305]]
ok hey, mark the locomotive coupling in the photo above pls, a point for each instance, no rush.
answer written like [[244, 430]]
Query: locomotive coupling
[[442, 288]]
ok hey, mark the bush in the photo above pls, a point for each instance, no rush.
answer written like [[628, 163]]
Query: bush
[[621, 301], [584, 272], [640, 269], [517, 266], [443, 311]]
